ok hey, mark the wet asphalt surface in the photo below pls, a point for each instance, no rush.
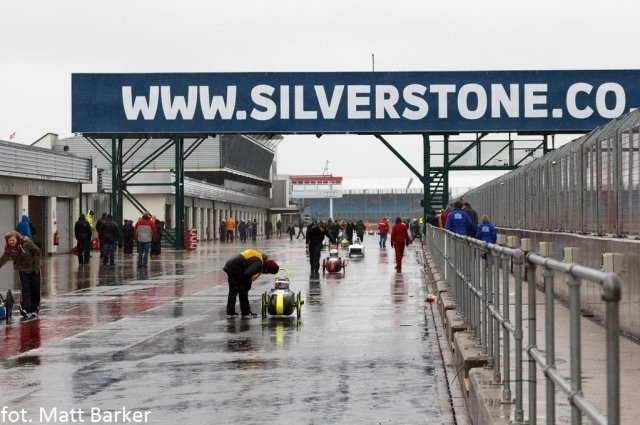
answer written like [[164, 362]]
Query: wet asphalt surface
[[126, 345]]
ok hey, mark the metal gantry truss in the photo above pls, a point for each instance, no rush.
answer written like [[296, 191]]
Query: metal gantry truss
[[441, 155], [120, 178], [469, 152]]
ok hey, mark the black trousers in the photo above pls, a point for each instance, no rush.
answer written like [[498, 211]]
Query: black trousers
[[84, 249], [30, 287], [314, 256], [239, 286], [127, 244]]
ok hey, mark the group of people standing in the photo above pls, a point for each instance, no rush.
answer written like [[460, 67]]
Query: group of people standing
[[245, 229], [318, 230], [229, 229], [463, 220], [147, 232]]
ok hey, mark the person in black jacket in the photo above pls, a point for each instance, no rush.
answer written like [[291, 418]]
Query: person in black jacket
[[156, 243], [99, 224], [473, 215], [316, 233], [349, 231], [128, 235], [242, 269], [82, 233], [109, 234]]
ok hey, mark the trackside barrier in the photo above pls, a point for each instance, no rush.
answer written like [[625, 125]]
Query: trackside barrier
[[479, 276]]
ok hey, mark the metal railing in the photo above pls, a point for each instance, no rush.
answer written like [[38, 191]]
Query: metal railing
[[480, 278]]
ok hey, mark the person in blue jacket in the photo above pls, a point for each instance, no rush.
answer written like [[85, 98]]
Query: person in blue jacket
[[459, 222], [487, 231], [24, 227]]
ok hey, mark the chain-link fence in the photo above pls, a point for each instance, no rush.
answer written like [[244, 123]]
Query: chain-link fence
[[590, 185]]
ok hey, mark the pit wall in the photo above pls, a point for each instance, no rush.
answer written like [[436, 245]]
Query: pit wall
[[589, 253]]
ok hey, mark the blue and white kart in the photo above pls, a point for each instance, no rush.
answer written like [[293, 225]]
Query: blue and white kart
[[356, 249]]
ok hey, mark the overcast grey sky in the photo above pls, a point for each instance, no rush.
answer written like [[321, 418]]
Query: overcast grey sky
[[42, 42]]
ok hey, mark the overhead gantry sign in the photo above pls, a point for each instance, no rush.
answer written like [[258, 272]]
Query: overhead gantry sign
[[198, 105], [351, 102]]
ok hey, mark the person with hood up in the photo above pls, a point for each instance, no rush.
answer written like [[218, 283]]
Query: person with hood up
[[242, 270], [24, 227], [109, 236], [89, 217], [399, 239], [82, 233], [128, 235], [26, 258]]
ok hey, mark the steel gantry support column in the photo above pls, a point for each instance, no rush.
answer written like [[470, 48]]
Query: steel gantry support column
[[179, 192], [118, 185], [445, 172], [426, 176], [120, 180]]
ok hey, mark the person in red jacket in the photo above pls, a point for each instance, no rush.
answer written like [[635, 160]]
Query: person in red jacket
[[383, 230], [145, 232], [399, 239]]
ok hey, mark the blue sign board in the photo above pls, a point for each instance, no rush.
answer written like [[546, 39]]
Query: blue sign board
[[351, 102]]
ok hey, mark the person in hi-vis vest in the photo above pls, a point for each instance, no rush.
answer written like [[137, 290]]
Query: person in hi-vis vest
[[241, 270]]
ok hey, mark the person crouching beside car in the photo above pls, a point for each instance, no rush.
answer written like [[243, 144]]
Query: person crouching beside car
[[242, 269]]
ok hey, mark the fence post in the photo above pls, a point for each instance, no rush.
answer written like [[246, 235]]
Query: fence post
[[485, 267], [506, 338], [613, 263], [572, 255], [530, 276], [495, 256], [518, 333], [549, 333]]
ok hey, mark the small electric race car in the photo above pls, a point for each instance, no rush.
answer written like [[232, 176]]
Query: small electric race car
[[281, 301], [6, 306], [8, 303], [356, 249], [334, 264]]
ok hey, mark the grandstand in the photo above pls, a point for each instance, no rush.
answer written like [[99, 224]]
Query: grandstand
[[368, 204]]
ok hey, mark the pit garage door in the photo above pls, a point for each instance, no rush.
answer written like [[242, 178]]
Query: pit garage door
[[7, 222], [64, 225]]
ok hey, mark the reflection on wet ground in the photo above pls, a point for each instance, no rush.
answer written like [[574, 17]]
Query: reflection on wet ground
[[157, 340]]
